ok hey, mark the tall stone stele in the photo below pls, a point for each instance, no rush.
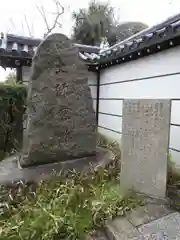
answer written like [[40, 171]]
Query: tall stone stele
[[145, 142], [61, 120]]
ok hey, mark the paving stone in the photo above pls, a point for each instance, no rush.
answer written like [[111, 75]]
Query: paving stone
[[147, 213], [98, 235], [165, 228], [121, 229], [159, 236]]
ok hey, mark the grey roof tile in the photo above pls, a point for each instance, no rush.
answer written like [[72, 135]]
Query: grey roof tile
[[148, 41]]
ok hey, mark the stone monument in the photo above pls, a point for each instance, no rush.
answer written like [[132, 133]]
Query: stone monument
[[145, 140], [61, 121]]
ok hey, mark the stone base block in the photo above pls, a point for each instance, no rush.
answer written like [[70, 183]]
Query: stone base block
[[34, 174]]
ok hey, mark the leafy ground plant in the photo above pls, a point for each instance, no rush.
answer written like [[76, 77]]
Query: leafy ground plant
[[63, 207], [173, 172], [173, 184]]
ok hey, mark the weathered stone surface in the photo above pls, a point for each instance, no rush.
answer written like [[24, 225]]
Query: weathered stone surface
[[147, 213], [61, 119], [121, 229], [10, 171], [165, 228], [145, 138], [152, 200], [98, 235], [8, 165]]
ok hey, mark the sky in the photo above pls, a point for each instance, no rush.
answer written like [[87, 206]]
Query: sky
[[14, 13]]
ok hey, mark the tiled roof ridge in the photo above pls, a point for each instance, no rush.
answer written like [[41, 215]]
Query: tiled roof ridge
[[156, 38], [142, 33], [84, 45], [15, 40], [23, 37], [24, 41], [18, 50], [151, 40]]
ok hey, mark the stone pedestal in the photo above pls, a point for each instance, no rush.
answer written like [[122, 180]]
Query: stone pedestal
[[145, 140], [10, 172]]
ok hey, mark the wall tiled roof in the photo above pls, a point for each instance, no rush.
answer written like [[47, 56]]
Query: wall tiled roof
[[20, 45], [16, 45], [151, 40], [20, 50], [23, 48], [16, 51]]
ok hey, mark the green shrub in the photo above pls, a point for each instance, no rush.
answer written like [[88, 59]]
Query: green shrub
[[12, 106], [114, 147], [173, 172]]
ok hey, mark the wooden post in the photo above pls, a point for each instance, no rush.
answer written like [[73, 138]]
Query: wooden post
[[97, 97]]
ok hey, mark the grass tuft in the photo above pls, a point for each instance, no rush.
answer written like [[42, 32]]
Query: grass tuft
[[65, 208], [173, 172]]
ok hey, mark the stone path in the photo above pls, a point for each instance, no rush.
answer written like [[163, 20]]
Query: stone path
[[151, 222]]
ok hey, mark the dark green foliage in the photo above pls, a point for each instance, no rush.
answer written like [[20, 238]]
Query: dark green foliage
[[12, 106], [173, 172], [173, 188], [127, 29], [94, 23], [98, 21]]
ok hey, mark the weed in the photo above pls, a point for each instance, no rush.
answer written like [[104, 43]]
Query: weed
[[64, 207]]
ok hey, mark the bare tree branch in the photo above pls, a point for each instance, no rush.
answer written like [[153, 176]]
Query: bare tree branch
[[22, 25], [49, 25], [12, 24], [32, 28], [28, 27], [58, 13], [41, 10]]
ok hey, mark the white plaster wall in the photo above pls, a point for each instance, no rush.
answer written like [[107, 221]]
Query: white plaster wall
[[92, 81], [155, 85]]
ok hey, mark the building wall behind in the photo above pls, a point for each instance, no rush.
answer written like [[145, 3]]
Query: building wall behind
[[92, 81], [26, 74], [155, 76]]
